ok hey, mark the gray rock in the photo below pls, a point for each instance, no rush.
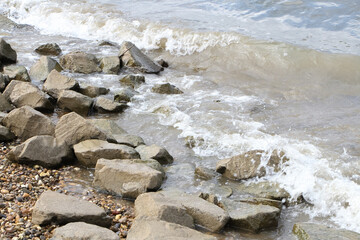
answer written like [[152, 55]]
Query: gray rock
[[92, 91], [7, 54], [26, 122], [126, 177], [49, 49], [6, 24], [110, 127], [129, 140], [110, 65], [163, 63], [146, 229], [83, 231], [89, 151], [42, 150], [166, 88], [74, 101], [155, 152], [56, 208], [2, 116], [16, 72], [80, 62], [104, 105], [132, 57], [5, 106], [125, 95], [72, 129], [42, 68], [56, 82], [132, 80], [205, 173], [6, 135], [312, 231], [4, 80], [108, 43]]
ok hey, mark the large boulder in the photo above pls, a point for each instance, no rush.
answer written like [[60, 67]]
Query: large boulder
[[248, 165], [56, 82], [92, 91], [80, 62], [26, 122], [5, 105], [166, 88], [57, 208], [25, 94], [132, 80], [110, 65], [42, 150], [49, 49], [125, 95], [6, 135], [83, 231], [89, 151], [312, 231], [155, 152], [104, 105], [7, 54], [126, 177], [72, 129], [132, 57], [16, 72], [145, 229], [41, 69], [74, 101]]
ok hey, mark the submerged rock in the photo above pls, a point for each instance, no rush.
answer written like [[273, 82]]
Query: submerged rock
[[16, 72], [7, 54], [80, 62], [49, 49], [155, 152], [166, 88], [42, 68], [92, 91], [74, 101], [125, 95], [132, 80], [56, 82], [110, 65]]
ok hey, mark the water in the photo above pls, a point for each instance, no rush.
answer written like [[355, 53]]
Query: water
[[256, 75]]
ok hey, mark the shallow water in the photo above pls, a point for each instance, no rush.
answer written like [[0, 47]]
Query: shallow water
[[266, 75]]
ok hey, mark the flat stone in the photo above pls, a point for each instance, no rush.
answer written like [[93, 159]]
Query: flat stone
[[56, 82], [129, 140], [132, 80], [57, 208], [49, 49], [7, 54], [166, 88], [155, 152], [80, 62], [104, 105], [74, 101], [110, 65], [16, 72], [6, 135], [5, 105], [42, 68], [124, 95]]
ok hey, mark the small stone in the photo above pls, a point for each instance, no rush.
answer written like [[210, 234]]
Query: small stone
[[48, 49]]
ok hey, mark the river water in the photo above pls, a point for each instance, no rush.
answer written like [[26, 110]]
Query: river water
[[261, 74]]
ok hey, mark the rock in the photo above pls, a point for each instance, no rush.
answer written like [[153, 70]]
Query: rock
[[89, 151], [92, 91], [2, 116], [80, 62], [4, 81], [82, 231], [132, 80], [6, 24], [104, 105], [41, 150], [129, 140], [17, 73], [56, 82], [263, 201], [42, 68], [57, 208], [72, 129], [108, 43], [163, 63], [7, 54], [205, 173], [74, 101], [155, 152], [110, 127], [25, 94], [110, 65], [125, 95], [151, 163], [49, 49], [247, 165], [126, 177], [312, 231], [251, 217], [5, 106], [166, 88], [132, 57], [6, 135], [26, 122], [144, 229]]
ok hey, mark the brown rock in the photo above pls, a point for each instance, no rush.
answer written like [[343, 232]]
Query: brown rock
[[56, 82], [92, 91], [49, 49], [110, 65], [41, 69], [80, 62], [166, 88], [16, 72], [104, 105], [74, 101], [155, 152]]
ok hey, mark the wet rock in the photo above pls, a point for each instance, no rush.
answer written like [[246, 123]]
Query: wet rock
[[7, 54], [4, 80], [42, 150], [132, 57], [263, 201], [2, 116], [166, 88], [126, 177], [110, 65], [56, 82], [107, 43], [205, 173], [312, 231], [6, 135], [132, 80], [74, 101], [92, 91], [124, 95], [49, 49], [251, 217], [72, 129], [163, 63], [155, 229], [26, 122], [89, 151], [5, 106], [155, 152], [129, 140], [25, 94], [80, 62], [81, 231], [56, 208], [42, 68], [247, 165], [6, 24], [16, 72], [104, 105], [110, 127], [151, 163]]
